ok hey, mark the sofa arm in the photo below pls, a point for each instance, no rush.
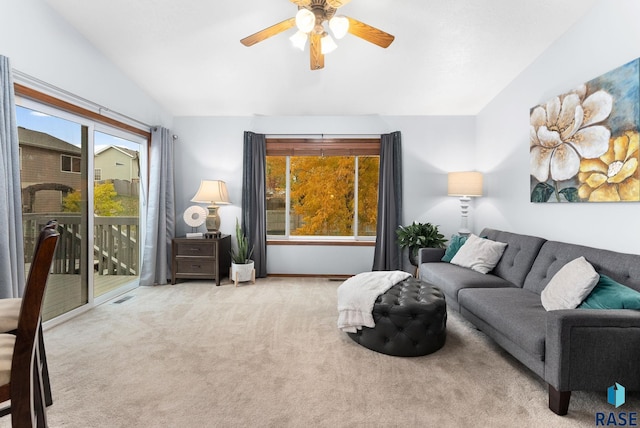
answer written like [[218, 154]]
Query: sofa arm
[[590, 349], [426, 255]]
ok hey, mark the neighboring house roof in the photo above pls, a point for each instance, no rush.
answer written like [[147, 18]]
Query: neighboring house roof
[[131, 153], [29, 137]]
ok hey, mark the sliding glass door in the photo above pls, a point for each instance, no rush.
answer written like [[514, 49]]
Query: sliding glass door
[[53, 175], [87, 177], [116, 208]]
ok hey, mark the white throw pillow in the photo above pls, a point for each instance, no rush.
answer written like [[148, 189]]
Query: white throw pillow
[[570, 285], [479, 254]]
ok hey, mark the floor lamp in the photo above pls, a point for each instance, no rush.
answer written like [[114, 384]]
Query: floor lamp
[[465, 184]]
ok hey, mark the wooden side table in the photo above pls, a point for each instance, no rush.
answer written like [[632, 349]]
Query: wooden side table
[[200, 258]]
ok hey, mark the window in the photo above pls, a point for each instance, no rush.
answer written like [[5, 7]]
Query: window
[[322, 188], [97, 174], [70, 163]]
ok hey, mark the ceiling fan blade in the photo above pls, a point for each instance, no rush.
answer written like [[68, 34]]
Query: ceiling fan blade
[[315, 52], [268, 32], [301, 3], [369, 33], [336, 3]]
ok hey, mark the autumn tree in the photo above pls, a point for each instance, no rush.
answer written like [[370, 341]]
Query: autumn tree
[[71, 202], [323, 190], [276, 176], [368, 172], [104, 200]]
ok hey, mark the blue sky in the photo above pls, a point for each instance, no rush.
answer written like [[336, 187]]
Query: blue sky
[[65, 130]]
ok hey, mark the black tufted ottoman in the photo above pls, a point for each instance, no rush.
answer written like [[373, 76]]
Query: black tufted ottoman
[[410, 318]]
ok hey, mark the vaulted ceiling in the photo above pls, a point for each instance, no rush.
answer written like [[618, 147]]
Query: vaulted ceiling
[[448, 58]]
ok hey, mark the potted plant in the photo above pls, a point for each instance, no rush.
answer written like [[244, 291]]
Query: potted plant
[[241, 263], [419, 235]]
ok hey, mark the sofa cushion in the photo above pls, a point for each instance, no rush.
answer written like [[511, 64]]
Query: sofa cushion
[[451, 278], [570, 285], [479, 254], [516, 313], [518, 257], [609, 294], [624, 268], [455, 243]]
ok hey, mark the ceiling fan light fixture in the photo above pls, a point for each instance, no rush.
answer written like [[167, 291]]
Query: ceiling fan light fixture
[[339, 26], [305, 20], [327, 45], [299, 39], [310, 18]]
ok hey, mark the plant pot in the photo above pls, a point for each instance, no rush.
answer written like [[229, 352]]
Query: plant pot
[[243, 272], [413, 255]]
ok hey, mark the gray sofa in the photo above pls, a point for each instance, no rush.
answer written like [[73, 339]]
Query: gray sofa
[[577, 349]]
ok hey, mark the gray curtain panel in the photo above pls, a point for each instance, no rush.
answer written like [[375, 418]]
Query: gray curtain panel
[[387, 255], [254, 199], [12, 276], [161, 211]]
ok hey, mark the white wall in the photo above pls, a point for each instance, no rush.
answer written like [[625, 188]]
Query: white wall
[[607, 37], [39, 43], [211, 147], [42, 45]]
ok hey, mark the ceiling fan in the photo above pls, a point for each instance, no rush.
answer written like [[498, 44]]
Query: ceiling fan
[[310, 19]]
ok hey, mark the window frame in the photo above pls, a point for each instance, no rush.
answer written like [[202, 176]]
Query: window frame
[[77, 159], [337, 146]]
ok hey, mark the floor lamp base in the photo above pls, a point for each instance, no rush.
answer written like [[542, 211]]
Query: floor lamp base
[[464, 209]]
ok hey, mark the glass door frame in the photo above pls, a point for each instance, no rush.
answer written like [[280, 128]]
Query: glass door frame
[[143, 153], [92, 127]]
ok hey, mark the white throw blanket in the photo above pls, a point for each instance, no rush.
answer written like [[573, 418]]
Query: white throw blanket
[[357, 295]]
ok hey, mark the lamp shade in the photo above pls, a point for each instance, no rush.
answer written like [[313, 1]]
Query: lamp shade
[[465, 183], [305, 20], [327, 45], [299, 39], [339, 25], [213, 192]]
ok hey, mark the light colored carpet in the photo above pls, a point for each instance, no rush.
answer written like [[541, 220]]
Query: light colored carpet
[[270, 355]]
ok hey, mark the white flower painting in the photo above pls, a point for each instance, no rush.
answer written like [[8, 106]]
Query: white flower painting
[[583, 144]]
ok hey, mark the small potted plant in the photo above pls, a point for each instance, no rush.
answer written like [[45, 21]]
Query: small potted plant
[[419, 235], [241, 263]]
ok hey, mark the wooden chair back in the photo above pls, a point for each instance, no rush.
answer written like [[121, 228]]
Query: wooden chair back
[[24, 364]]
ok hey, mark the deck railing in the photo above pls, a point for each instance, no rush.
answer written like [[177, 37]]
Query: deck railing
[[115, 249]]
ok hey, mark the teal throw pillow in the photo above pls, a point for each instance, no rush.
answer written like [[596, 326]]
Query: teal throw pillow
[[454, 245], [609, 294]]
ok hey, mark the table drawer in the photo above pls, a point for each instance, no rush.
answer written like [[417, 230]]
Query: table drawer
[[193, 265], [200, 258], [196, 249]]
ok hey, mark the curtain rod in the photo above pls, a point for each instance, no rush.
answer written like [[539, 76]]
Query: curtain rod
[[31, 81], [322, 136], [173, 136]]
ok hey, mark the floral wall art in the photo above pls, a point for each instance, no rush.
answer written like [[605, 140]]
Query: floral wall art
[[584, 143]]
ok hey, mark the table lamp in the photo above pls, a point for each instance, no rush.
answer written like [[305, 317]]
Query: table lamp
[[215, 193]]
